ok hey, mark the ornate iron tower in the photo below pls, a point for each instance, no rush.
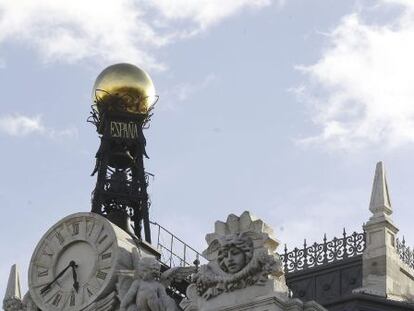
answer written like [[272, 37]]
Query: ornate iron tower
[[123, 99]]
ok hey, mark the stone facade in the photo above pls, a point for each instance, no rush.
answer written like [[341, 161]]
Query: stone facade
[[244, 272]]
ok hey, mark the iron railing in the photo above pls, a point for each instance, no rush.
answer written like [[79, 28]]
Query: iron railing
[[405, 252], [174, 251], [320, 254]]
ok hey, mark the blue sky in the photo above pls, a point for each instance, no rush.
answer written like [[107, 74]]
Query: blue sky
[[281, 108]]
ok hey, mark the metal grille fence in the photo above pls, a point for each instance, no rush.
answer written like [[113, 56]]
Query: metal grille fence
[[327, 252], [405, 252]]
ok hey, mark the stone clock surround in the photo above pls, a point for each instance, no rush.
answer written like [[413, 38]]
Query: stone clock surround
[[100, 248]]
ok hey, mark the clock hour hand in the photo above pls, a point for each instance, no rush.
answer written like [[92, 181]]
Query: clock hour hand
[[48, 286], [75, 277]]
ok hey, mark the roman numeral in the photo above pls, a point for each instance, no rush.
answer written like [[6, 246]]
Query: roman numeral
[[44, 293], [91, 229], [47, 254], [101, 275], [57, 299], [90, 293], [60, 238], [72, 299], [42, 273], [75, 228], [102, 239]]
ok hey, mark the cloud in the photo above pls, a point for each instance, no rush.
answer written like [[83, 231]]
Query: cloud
[[18, 125], [110, 30], [204, 13], [360, 91], [183, 91]]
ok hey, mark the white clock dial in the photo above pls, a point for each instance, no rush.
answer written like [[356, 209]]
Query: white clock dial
[[75, 262]]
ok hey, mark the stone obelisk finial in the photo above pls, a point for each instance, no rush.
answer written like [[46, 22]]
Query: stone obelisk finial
[[13, 297], [13, 286], [380, 260], [380, 204]]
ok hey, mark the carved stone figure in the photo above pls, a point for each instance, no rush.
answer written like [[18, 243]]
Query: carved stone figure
[[243, 272], [242, 257], [147, 290], [241, 254], [16, 304], [13, 304]]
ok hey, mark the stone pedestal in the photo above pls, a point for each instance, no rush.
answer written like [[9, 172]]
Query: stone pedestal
[[253, 298], [244, 271], [272, 303], [380, 257]]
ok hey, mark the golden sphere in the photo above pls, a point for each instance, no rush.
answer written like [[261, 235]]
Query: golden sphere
[[131, 85]]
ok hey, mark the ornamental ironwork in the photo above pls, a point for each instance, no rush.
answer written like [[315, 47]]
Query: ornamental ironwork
[[405, 252], [327, 252]]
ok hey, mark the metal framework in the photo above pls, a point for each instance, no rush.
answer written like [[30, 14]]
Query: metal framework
[[121, 188], [174, 251], [327, 252]]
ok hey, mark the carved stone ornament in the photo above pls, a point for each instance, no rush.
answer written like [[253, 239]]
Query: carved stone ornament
[[17, 304], [241, 254], [144, 289]]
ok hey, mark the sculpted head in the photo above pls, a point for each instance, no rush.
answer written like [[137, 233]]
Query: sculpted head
[[235, 252], [148, 269]]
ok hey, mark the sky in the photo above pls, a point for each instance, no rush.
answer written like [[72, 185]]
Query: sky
[[279, 107]]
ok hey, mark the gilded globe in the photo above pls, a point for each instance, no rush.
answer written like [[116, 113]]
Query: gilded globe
[[130, 85]]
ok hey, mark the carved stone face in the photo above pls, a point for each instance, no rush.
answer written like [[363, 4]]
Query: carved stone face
[[235, 252], [233, 259]]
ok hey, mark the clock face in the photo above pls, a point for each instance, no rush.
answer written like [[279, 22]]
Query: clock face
[[73, 263]]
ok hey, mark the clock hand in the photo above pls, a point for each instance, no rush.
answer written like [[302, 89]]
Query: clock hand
[[75, 277], [48, 286]]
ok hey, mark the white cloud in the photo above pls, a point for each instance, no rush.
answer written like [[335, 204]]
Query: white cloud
[[110, 30], [19, 125], [363, 82], [183, 91], [204, 12]]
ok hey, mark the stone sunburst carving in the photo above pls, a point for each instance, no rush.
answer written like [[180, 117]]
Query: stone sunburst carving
[[241, 253]]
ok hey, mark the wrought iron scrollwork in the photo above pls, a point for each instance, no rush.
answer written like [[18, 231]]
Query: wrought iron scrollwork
[[327, 252], [405, 252]]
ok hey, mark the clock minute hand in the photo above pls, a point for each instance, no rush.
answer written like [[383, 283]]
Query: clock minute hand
[[48, 286]]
